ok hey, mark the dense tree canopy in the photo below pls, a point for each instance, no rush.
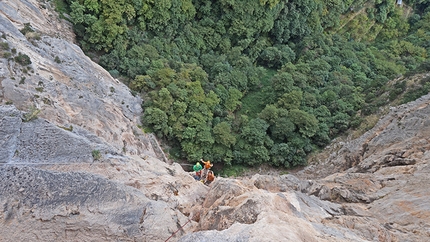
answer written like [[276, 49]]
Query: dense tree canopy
[[255, 81]]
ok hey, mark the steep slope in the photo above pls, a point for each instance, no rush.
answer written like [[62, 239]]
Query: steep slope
[[74, 166], [82, 170], [69, 89], [384, 171], [372, 188]]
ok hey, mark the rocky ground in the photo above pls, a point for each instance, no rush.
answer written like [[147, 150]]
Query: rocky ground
[[75, 166]]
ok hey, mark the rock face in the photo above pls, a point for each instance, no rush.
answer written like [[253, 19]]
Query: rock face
[[371, 189], [74, 166], [383, 171], [67, 87], [53, 189], [45, 205]]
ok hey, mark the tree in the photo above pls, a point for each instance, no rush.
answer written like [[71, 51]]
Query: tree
[[282, 129], [281, 155], [307, 123], [291, 100], [233, 100], [283, 82], [270, 114], [157, 119], [255, 131], [223, 134], [271, 57], [163, 100]]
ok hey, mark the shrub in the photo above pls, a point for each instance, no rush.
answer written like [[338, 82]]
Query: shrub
[[114, 73], [7, 55], [70, 128], [22, 59], [233, 171], [31, 115], [96, 154], [4, 46], [27, 29]]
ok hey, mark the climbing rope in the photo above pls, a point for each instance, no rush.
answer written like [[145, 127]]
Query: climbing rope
[[189, 220]]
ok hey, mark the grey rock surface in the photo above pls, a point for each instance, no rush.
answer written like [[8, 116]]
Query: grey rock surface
[[68, 88], [78, 206], [9, 131], [383, 172], [57, 111], [39, 141]]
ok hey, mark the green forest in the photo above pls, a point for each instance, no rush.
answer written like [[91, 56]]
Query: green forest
[[250, 82]]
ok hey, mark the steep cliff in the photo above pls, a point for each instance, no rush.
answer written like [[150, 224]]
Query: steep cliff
[[67, 87], [74, 166]]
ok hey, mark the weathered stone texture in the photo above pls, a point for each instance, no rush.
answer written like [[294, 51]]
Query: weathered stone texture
[[72, 92], [53, 188]]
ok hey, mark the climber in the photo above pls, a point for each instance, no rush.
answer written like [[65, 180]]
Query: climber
[[198, 169], [210, 178], [208, 165]]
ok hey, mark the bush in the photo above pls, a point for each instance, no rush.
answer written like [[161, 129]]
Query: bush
[[233, 171], [7, 55], [27, 29], [31, 115], [114, 73], [96, 154], [4, 46], [22, 59]]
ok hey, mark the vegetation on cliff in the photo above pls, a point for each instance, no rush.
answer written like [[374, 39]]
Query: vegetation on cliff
[[255, 81]]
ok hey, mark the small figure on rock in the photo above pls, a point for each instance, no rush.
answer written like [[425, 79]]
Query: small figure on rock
[[210, 178], [198, 169], [208, 166]]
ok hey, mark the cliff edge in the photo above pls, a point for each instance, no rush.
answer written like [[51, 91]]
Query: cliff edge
[[75, 166]]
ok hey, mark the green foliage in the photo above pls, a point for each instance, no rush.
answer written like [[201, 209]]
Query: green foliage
[[306, 123], [273, 57], [61, 6], [57, 59], [223, 135], [70, 128], [22, 59], [4, 46], [255, 131], [27, 29], [31, 114], [255, 81], [157, 119], [6, 55], [233, 171], [4, 50], [416, 92], [96, 154], [291, 100], [281, 154], [398, 89]]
